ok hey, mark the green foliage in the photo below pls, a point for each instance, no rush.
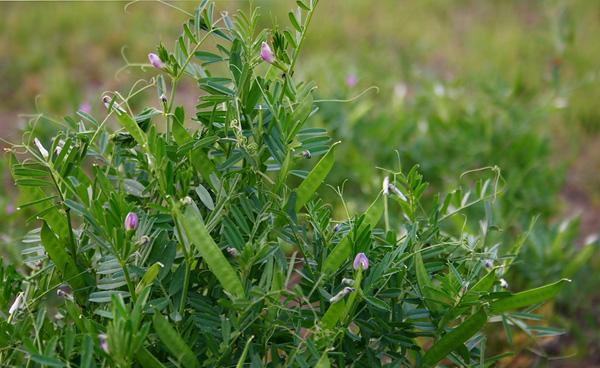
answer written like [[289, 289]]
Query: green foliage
[[232, 261]]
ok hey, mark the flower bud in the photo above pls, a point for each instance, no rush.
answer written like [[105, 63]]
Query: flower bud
[[107, 100], [361, 262], [131, 221], [64, 291], [348, 282], [337, 228], [163, 98], [351, 80], [85, 107], [144, 240], [266, 54], [306, 154], [233, 252], [155, 60]]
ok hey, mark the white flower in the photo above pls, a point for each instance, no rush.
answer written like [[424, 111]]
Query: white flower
[[40, 147], [16, 304], [397, 192], [386, 185], [503, 284], [107, 102]]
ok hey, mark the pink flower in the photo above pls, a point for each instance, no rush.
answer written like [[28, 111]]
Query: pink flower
[[155, 60], [351, 80], [361, 261], [85, 107], [103, 339], [266, 54], [131, 221]]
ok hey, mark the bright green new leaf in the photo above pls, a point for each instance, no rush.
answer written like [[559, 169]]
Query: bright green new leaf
[[333, 314], [148, 277], [323, 361]]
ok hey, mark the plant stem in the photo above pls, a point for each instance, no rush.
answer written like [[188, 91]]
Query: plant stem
[[385, 213], [128, 280], [186, 283]]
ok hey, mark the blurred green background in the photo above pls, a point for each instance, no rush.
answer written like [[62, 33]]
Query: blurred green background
[[460, 85]]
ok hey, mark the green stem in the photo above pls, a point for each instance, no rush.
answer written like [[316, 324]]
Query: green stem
[[295, 56], [128, 280], [385, 213]]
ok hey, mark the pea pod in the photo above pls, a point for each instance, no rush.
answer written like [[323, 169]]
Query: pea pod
[[196, 233], [174, 343], [315, 177]]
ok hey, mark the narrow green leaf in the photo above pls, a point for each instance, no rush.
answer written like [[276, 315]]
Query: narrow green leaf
[[295, 22], [196, 233], [205, 197], [528, 297], [174, 342], [46, 360], [302, 5], [87, 351], [455, 338], [309, 186], [424, 282]]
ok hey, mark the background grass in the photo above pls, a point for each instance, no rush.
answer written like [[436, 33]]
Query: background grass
[[461, 85]]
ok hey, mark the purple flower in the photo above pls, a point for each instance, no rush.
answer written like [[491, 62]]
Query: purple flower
[[266, 54], [361, 261], [131, 221], [351, 80], [10, 209], [85, 107], [154, 60], [103, 339]]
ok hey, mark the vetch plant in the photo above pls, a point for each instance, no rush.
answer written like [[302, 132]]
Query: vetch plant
[[199, 239]]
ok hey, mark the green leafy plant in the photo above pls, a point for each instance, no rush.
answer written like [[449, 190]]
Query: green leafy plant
[[203, 241]]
